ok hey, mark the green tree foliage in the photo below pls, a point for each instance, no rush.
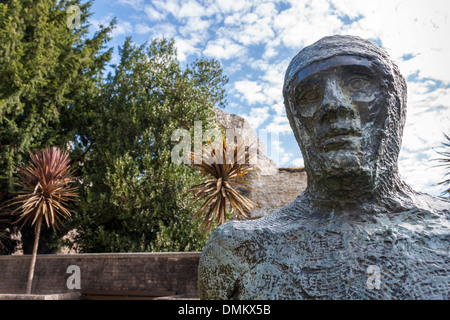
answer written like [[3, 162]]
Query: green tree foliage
[[48, 72], [132, 194], [48, 75]]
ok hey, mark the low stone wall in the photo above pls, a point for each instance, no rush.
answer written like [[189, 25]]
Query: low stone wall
[[151, 272]]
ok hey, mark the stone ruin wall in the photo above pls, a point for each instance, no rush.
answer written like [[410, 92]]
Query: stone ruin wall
[[277, 190], [273, 187]]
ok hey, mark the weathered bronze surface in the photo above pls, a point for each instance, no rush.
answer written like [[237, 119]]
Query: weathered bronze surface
[[346, 103]]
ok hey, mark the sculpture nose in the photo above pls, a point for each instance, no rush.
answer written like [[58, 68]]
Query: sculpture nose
[[335, 104]]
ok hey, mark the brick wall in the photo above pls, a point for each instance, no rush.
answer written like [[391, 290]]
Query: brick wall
[[176, 272]]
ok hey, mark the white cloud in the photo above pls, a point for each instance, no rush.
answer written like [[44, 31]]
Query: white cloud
[[223, 49], [298, 162], [122, 28], [422, 135], [196, 29], [406, 27], [306, 22], [250, 29], [136, 4], [279, 125], [257, 117], [271, 79], [421, 173], [142, 28], [167, 6], [190, 9], [251, 26], [428, 117], [279, 108], [153, 14], [166, 30], [185, 48], [96, 23], [279, 154], [229, 6], [251, 91], [270, 51]]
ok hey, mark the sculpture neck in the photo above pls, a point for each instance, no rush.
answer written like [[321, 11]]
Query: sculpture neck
[[353, 191]]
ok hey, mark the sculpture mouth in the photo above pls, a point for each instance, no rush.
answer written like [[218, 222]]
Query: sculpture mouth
[[339, 142], [340, 139]]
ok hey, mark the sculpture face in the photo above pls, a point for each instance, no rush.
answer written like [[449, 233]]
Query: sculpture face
[[346, 103], [341, 112]]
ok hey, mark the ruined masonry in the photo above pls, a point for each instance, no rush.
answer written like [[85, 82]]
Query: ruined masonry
[[273, 187]]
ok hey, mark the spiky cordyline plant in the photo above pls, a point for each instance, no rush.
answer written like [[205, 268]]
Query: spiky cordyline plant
[[227, 169], [44, 191]]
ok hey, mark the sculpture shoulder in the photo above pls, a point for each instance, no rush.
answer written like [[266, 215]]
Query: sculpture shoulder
[[233, 249], [229, 251], [431, 210], [433, 203], [432, 213]]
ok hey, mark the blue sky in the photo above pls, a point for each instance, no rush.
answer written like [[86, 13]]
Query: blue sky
[[255, 40]]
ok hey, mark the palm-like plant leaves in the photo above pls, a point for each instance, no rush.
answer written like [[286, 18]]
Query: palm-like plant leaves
[[228, 170], [445, 162], [44, 188]]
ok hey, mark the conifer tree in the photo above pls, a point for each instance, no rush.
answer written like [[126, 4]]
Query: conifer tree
[[49, 71]]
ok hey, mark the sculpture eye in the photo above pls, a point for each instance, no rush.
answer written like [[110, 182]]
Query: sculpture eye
[[310, 95], [359, 83]]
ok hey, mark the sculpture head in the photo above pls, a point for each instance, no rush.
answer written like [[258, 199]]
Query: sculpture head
[[346, 103]]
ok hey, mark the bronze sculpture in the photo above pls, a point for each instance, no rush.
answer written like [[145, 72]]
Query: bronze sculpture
[[346, 103]]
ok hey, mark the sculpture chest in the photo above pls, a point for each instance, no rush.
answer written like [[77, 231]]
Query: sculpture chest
[[378, 261]]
